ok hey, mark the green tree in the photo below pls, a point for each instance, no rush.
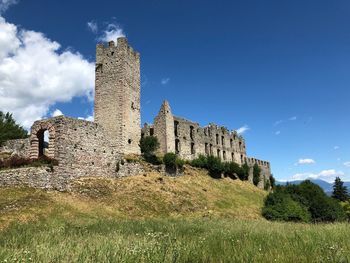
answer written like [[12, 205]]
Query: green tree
[[245, 171], [149, 145], [340, 191], [9, 129], [256, 174], [272, 181]]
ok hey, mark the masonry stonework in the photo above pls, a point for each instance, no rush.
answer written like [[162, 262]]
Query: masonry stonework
[[188, 140], [117, 94], [88, 149]]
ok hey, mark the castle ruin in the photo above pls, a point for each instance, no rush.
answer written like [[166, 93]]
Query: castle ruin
[[84, 149]]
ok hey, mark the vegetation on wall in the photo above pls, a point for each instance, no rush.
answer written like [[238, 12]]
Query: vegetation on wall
[[16, 161], [256, 174], [9, 129], [149, 145]]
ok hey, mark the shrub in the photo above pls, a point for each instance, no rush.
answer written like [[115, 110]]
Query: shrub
[[245, 172], [256, 174], [272, 182], [346, 208], [215, 166], [200, 162], [16, 161], [320, 207], [232, 170], [180, 163], [267, 185], [169, 159], [149, 145], [280, 206]]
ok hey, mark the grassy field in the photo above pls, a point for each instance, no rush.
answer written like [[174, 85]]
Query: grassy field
[[151, 218]]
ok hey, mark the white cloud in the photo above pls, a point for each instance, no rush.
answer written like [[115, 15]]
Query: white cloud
[[111, 33], [347, 164], [294, 118], [243, 129], [35, 74], [165, 81], [5, 4], [278, 123], [93, 27], [306, 161], [278, 132], [327, 175], [88, 118], [336, 147], [56, 113]]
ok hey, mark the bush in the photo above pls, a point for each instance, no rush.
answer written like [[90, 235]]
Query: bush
[[320, 207], [245, 172], [272, 182], [149, 145], [169, 159], [215, 166], [267, 185], [256, 174], [180, 163], [232, 170], [200, 162], [280, 206], [16, 161]]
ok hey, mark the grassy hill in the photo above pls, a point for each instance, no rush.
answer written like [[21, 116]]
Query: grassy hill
[[145, 196], [154, 218]]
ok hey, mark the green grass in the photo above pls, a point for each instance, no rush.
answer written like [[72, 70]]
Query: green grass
[[152, 218], [173, 240]]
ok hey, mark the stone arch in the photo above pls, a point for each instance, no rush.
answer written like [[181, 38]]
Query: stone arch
[[37, 140]]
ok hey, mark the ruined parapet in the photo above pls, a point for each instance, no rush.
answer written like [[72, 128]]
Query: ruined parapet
[[164, 129], [117, 95], [265, 170]]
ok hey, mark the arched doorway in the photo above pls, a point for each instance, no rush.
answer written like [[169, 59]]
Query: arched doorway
[[42, 141]]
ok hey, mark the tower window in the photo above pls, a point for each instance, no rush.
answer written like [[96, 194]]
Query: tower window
[[151, 131], [217, 138], [177, 146], [191, 132], [176, 126], [129, 141], [192, 148]]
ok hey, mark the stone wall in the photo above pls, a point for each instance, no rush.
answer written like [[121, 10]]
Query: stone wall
[[37, 177], [80, 147], [265, 170], [189, 140], [117, 95], [18, 146]]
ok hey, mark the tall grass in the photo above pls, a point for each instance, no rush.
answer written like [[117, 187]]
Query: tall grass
[[173, 240]]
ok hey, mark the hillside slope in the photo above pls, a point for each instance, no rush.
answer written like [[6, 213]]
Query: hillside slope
[[195, 194]]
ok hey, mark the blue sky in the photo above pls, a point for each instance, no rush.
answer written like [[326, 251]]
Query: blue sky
[[279, 68]]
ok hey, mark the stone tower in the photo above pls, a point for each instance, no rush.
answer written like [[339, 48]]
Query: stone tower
[[117, 94], [164, 129]]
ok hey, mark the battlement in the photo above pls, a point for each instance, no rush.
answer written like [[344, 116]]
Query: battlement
[[252, 161], [111, 47]]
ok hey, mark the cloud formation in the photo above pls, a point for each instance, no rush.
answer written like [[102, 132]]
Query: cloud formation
[[347, 164], [243, 129], [165, 81], [5, 4], [56, 113], [35, 73], [327, 175], [93, 27], [306, 161]]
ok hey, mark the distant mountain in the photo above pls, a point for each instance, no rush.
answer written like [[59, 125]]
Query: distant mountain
[[327, 187]]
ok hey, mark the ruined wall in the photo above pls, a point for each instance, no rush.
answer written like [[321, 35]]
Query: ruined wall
[[164, 129], [265, 172], [117, 95], [18, 146], [80, 147], [210, 140]]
